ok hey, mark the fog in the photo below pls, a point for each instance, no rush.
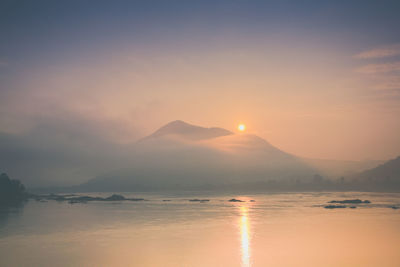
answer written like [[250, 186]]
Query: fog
[[62, 156], [79, 89]]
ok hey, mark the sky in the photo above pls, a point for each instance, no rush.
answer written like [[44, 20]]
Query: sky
[[318, 79]]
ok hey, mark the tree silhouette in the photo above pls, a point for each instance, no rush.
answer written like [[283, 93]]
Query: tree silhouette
[[11, 191]]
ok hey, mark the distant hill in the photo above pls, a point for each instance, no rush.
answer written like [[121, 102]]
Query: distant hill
[[181, 155], [384, 177], [390, 170], [338, 168]]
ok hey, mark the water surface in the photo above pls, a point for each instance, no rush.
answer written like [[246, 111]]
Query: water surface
[[275, 230]]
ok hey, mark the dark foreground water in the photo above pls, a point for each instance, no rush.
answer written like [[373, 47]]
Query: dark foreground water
[[275, 230]]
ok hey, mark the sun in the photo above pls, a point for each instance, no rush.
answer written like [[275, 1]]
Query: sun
[[241, 127]]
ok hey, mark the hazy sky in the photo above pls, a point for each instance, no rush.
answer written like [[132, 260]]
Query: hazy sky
[[318, 79]]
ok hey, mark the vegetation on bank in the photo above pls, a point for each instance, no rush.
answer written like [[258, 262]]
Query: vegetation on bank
[[11, 191]]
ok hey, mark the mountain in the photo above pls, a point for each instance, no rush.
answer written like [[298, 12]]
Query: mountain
[[184, 156], [384, 177], [339, 168], [187, 131]]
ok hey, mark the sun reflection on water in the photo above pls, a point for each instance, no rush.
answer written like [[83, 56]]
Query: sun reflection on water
[[245, 236]]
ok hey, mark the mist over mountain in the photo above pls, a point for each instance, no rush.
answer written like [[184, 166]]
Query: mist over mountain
[[178, 155], [181, 155], [60, 152], [187, 131]]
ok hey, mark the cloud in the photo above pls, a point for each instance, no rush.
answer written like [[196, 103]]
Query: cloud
[[380, 52], [62, 147], [388, 83], [384, 76], [380, 68]]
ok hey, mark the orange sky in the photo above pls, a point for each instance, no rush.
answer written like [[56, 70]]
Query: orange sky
[[315, 84]]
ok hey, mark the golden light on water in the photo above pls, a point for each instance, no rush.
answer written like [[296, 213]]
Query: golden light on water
[[241, 127], [245, 236]]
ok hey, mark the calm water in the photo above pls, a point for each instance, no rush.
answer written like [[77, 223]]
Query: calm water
[[275, 230]]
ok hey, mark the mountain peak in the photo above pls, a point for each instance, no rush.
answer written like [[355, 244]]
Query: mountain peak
[[177, 124], [188, 131]]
